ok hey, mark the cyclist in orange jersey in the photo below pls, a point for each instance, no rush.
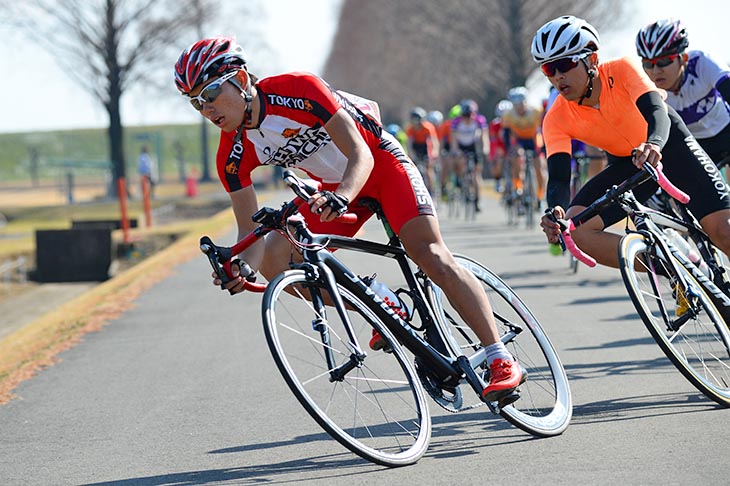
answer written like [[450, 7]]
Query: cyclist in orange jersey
[[423, 144], [615, 106], [521, 125]]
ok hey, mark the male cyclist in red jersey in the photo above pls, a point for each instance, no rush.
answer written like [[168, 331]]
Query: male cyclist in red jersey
[[423, 144], [297, 120], [613, 105]]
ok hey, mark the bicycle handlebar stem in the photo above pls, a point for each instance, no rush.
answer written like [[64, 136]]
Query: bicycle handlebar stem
[[221, 257]]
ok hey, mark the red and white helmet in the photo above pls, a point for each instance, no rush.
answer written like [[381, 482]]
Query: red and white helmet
[[207, 58], [662, 38]]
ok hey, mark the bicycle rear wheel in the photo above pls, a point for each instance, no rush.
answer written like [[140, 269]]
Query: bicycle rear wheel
[[373, 404], [545, 406], [693, 337]]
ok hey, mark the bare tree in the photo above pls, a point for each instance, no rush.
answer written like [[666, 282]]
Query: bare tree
[[434, 53], [108, 45]]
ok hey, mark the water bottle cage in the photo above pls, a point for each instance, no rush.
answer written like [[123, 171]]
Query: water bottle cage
[[397, 307]]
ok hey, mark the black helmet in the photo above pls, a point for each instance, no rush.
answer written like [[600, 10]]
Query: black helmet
[[468, 107]]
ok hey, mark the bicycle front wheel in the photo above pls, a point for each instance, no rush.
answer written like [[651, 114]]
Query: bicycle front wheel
[[683, 321], [545, 405], [370, 401]]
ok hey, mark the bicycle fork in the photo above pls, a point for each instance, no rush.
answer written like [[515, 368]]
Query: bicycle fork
[[320, 324]]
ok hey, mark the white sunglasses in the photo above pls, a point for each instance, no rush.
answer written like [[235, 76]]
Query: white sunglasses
[[211, 91]]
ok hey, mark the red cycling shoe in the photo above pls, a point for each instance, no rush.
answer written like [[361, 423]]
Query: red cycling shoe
[[377, 342], [504, 377]]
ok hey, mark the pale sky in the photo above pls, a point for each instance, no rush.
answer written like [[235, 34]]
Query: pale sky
[[38, 96]]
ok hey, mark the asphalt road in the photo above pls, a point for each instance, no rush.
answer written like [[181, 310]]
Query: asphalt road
[[181, 390]]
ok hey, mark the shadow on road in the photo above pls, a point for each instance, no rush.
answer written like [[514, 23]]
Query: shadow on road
[[469, 427], [642, 406]]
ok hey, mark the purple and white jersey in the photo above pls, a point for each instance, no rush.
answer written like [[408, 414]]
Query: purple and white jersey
[[466, 131], [698, 102]]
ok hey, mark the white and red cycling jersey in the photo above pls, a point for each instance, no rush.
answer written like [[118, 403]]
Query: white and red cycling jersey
[[290, 133]]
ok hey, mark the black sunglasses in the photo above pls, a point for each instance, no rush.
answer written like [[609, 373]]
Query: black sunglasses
[[563, 65]]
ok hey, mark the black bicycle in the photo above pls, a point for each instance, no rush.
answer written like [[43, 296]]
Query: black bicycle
[[462, 191], [681, 304], [319, 316]]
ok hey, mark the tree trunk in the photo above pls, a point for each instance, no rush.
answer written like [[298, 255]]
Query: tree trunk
[[116, 142]]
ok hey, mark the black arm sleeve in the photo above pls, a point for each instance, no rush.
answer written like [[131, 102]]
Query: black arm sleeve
[[652, 107], [558, 186], [724, 88]]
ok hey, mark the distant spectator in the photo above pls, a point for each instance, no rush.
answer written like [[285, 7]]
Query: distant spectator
[[146, 168]]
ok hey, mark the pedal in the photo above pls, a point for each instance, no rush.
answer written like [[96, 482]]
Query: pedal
[[509, 398]]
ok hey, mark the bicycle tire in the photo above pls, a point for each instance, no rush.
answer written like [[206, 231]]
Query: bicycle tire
[[378, 410], [545, 407], [700, 348]]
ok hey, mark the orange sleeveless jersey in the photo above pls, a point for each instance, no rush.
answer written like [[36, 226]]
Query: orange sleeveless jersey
[[616, 126]]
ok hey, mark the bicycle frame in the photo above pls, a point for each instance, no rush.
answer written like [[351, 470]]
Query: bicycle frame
[[333, 272], [648, 222], [328, 270]]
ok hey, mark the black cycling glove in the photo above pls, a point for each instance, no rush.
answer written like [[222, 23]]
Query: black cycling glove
[[335, 202]]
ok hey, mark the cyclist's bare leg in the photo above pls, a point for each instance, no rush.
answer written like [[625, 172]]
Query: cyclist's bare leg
[[459, 164], [422, 241], [278, 254], [595, 166], [717, 227], [518, 168], [598, 160]]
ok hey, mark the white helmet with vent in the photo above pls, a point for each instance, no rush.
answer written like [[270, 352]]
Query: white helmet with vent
[[564, 37]]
